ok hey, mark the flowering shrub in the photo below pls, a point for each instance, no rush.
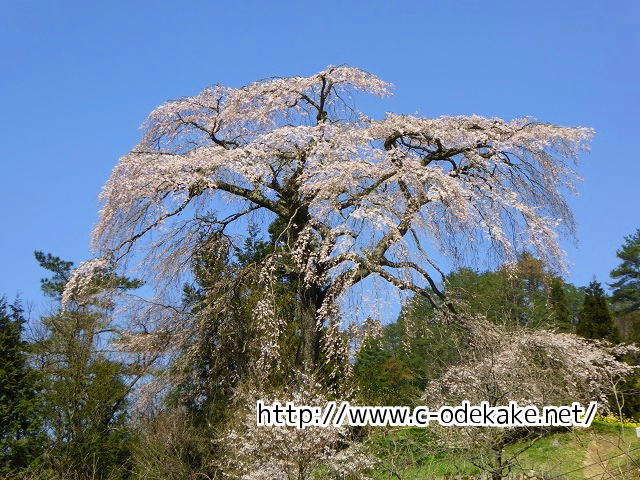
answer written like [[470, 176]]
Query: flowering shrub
[[615, 419], [531, 367], [289, 453]]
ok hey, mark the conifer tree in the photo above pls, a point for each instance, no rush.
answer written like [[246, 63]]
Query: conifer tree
[[20, 429], [517, 292], [626, 307], [595, 319], [222, 342], [560, 306], [626, 288]]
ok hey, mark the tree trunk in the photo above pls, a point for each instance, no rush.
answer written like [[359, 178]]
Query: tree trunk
[[309, 347]]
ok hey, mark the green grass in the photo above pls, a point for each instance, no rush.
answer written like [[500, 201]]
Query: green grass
[[576, 454]]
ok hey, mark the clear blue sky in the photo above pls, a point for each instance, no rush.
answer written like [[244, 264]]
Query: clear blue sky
[[78, 78]]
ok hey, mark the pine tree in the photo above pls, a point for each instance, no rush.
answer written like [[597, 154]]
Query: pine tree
[[595, 319], [626, 288], [21, 436], [626, 306]]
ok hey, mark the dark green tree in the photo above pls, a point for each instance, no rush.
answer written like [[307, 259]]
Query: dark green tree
[[21, 434], [60, 270], [626, 287], [225, 342], [626, 307], [560, 306], [595, 319], [395, 367], [383, 371]]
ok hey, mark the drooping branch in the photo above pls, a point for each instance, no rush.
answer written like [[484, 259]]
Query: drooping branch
[[353, 196]]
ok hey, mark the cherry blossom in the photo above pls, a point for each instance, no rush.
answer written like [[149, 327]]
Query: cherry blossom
[[361, 197]]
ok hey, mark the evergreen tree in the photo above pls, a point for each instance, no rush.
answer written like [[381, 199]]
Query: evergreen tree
[[223, 348], [60, 270], [225, 344], [560, 306], [595, 319], [626, 306], [21, 437], [382, 370], [626, 287]]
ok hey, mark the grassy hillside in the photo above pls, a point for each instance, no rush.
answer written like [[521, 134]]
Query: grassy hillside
[[605, 450]]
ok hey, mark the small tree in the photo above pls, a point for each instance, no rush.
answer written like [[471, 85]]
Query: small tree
[[560, 306], [357, 198], [84, 392]]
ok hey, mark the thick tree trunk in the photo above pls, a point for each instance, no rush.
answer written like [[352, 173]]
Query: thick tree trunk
[[309, 347]]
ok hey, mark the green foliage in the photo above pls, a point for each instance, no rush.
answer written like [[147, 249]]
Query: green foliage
[[629, 392], [21, 437], [83, 390], [225, 336], [525, 294], [84, 399], [603, 451], [595, 319], [626, 287], [559, 302], [394, 368], [169, 447], [383, 371], [222, 349], [626, 307], [84, 405], [60, 269]]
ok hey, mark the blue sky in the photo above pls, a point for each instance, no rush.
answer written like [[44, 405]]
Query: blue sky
[[78, 78]]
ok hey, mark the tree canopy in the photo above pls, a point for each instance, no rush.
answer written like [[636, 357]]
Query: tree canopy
[[356, 197]]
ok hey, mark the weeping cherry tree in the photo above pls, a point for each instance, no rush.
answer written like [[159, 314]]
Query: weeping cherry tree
[[358, 198]]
